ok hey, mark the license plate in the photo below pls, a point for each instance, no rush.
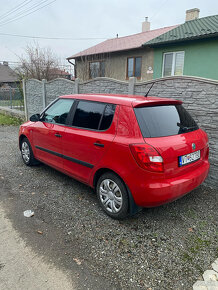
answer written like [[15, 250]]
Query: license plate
[[189, 158]]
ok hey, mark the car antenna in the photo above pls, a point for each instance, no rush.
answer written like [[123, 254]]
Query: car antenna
[[146, 95]]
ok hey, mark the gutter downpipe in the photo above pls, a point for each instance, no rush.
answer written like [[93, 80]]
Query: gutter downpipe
[[74, 67]]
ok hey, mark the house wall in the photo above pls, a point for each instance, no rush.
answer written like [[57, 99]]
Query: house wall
[[116, 64], [201, 58]]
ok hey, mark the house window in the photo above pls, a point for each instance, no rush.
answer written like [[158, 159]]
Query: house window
[[96, 69], [134, 67], [173, 63]]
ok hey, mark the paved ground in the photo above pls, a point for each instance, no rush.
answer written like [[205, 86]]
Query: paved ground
[[21, 268], [168, 247]]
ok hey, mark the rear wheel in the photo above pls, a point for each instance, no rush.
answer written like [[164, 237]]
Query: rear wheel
[[113, 196], [27, 153]]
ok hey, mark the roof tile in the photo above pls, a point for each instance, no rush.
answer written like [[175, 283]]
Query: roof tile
[[7, 75], [123, 43], [194, 29]]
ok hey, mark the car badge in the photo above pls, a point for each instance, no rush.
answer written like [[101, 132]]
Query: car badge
[[193, 146]]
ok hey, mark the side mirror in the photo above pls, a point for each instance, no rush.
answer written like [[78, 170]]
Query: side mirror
[[35, 118]]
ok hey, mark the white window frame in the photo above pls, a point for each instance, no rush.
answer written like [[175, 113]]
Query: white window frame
[[173, 63]]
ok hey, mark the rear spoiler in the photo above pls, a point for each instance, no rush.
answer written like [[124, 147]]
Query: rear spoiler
[[158, 102]]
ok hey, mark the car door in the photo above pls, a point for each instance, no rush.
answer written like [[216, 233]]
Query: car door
[[47, 133], [85, 142]]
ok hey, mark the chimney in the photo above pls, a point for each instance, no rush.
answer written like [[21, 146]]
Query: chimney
[[146, 25], [192, 14]]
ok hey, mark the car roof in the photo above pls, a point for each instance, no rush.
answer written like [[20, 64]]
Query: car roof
[[126, 100]]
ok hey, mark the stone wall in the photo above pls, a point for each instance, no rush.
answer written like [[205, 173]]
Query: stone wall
[[104, 86], [33, 97], [38, 94], [200, 97]]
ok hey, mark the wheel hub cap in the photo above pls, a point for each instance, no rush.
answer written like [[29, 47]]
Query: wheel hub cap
[[111, 196], [25, 152]]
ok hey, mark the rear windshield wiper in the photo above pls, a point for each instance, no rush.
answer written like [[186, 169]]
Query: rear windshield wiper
[[184, 128]]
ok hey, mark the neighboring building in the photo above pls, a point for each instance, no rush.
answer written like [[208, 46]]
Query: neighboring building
[[119, 58], [190, 49], [58, 73], [8, 78]]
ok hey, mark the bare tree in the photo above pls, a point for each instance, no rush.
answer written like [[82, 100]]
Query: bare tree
[[38, 63]]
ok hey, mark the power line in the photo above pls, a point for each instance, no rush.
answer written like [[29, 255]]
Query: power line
[[17, 13], [28, 13], [21, 13], [159, 9], [24, 12], [20, 62], [52, 38], [18, 7]]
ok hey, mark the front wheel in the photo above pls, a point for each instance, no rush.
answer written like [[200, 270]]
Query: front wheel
[[27, 153], [113, 196]]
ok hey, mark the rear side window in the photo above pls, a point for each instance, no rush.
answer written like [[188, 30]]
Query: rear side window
[[107, 117], [160, 121], [93, 115]]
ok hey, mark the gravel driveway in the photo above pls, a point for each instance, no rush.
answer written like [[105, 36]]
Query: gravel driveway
[[168, 247]]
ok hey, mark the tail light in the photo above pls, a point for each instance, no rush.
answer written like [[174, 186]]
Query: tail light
[[147, 157]]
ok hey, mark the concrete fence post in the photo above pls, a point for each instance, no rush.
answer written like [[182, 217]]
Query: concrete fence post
[[76, 89], [43, 93], [25, 99], [131, 88]]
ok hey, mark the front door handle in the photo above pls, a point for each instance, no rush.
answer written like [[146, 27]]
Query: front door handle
[[99, 144], [57, 135]]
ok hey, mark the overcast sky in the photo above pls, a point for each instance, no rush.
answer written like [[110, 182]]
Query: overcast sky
[[83, 19]]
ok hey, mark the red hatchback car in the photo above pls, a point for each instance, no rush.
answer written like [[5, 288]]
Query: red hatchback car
[[135, 151]]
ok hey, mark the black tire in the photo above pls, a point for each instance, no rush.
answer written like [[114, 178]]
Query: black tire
[[113, 196], [27, 153]]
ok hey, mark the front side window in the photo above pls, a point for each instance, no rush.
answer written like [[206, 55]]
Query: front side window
[[58, 112], [173, 63], [134, 67], [96, 69], [93, 115]]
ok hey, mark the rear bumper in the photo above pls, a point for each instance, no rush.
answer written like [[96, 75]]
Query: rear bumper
[[160, 191]]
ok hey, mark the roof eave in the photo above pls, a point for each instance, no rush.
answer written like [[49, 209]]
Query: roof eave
[[106, 52], [180, 40]]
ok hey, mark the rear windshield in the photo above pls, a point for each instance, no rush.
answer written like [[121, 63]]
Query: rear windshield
[[160, 121]]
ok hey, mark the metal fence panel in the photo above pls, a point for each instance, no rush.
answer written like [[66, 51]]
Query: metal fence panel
[[12, 98]]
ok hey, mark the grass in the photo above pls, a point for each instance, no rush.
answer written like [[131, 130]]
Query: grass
[[9, 120], [196, 246]]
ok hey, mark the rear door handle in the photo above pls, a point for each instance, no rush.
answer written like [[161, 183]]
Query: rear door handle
[[99, 144], [57, 135]]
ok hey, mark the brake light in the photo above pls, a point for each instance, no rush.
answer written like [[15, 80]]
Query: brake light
[[147, 157]]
